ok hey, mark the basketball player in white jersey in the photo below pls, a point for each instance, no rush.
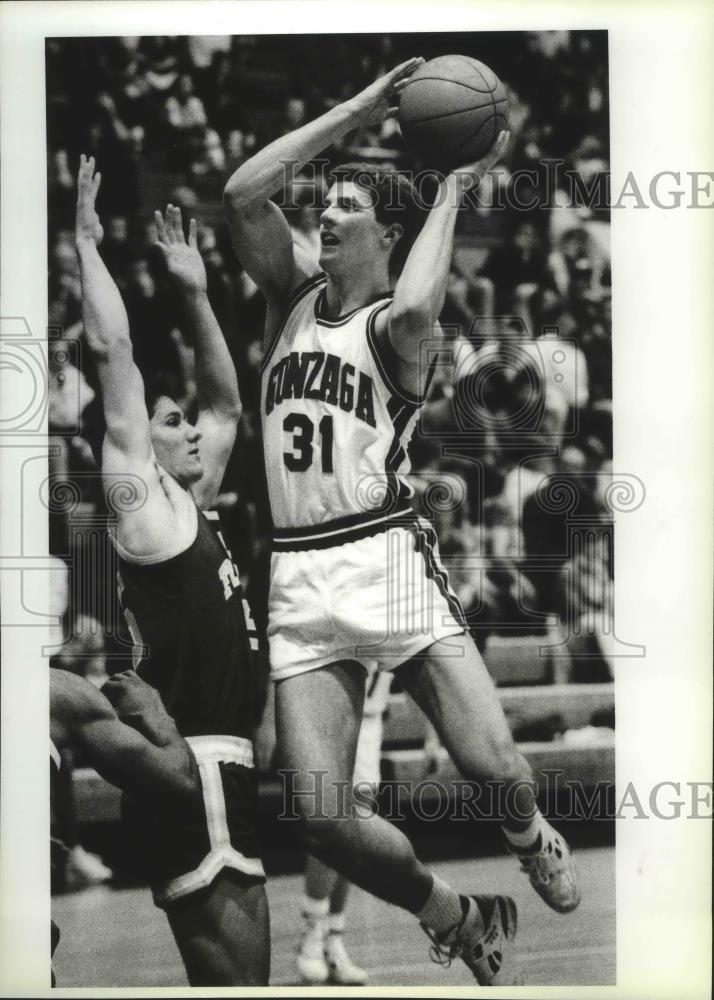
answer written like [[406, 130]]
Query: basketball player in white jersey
[[181, 594], [355, 577]]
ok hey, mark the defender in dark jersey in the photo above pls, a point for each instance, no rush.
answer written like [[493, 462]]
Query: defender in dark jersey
[[182, 600], [82, 718]]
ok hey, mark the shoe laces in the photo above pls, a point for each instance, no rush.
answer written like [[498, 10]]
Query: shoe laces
[[444, 949]]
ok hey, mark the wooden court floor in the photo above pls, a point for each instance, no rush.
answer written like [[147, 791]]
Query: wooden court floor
[[117, 938]]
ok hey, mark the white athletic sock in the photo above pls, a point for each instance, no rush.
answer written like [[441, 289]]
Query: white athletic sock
[[314, 909], [335, 923], [443, 909], [522, 840]]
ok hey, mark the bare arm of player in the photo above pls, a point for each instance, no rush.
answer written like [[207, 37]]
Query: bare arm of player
[[140, 706], [421, 288], [219, 404], [81, 716], [106, 330], [260, 231]]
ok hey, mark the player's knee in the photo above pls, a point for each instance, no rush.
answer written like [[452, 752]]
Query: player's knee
[[321, 836]]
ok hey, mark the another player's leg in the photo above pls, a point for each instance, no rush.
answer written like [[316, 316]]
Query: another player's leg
[[452, 686], [319, 883], [317, 718], [322, 954], [342, 970], [223, 932]]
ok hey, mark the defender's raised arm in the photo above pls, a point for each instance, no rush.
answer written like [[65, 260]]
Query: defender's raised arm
[[219, 404], [106, 329]]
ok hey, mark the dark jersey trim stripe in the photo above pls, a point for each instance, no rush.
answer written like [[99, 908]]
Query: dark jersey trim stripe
[[331, 541], [400, 413], [424, 541], [384, 363], [346, 317], [297, 296]]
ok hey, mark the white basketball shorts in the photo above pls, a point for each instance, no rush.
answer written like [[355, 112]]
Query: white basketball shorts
[[379, 599]]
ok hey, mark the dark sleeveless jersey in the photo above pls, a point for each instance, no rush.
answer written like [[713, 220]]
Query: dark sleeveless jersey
[[193, 635]]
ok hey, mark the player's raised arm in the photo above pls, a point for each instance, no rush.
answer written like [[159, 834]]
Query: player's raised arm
[[106, 329], [261, 234], [81, 716], [421, 289], [219, 404]]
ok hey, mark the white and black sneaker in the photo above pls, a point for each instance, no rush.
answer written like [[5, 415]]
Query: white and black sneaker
[[311, 963], [342, 970], [550, 867], [483, 939]]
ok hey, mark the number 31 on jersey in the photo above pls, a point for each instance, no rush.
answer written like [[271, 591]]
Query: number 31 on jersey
[[302, 430]]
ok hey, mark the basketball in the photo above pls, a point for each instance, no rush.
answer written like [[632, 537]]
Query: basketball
[[452, 110]]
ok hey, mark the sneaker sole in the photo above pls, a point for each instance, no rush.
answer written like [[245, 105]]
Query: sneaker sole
[[508, 919]]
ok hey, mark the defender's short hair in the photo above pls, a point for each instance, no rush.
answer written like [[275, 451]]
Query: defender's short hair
[[158, 386], [394, 200]]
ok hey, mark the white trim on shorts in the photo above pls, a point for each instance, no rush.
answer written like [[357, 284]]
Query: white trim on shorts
[[209, 752]]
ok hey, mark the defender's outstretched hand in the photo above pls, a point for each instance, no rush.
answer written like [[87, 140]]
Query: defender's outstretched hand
[[378, 101], [470, 175], [183, 259], [88, 228]]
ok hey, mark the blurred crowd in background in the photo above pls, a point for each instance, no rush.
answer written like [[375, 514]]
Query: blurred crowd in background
[[513, 457]]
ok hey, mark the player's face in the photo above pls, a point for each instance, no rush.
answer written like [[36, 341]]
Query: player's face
[[349, 231], [175, 442]]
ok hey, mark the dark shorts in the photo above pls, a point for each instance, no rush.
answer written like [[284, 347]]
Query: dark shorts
[[183, 847]]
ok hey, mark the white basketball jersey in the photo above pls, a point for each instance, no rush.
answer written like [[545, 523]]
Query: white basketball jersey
[[336, 426]]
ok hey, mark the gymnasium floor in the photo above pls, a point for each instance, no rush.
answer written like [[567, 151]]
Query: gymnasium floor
[[117, 938]]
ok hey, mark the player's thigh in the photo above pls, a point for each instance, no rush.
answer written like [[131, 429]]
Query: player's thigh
[[452, 686], [223, 932], [317, 716]]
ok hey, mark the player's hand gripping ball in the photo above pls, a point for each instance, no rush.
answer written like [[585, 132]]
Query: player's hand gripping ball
[[452, 110]]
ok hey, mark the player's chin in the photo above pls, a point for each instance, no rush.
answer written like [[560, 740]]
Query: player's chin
[[328, 256], [194, 471]]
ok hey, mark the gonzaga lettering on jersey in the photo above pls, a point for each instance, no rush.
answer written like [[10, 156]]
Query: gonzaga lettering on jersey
[[336, 425]]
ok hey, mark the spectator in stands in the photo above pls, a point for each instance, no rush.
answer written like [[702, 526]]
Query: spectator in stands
[[520, 261], [557, 516], [116, 250], [183, 108], [186, 120], [206, 162], [161, 60], [563, 262], [60, 189]]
